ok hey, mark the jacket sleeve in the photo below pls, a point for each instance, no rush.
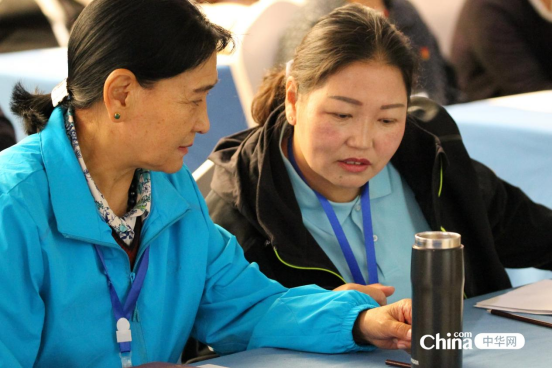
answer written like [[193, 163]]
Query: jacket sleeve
[[243, 309], [21, 269], [521, 227]]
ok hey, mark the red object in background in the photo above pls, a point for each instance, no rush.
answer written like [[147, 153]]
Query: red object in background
[[424, 53]]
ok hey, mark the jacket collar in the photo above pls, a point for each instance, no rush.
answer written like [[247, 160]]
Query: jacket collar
[[380, 186], [167, 206], [421, 158], [73, 205]]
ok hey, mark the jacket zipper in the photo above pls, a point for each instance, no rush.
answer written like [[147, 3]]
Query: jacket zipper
[[439, 196], [441, 185], [302, 268]]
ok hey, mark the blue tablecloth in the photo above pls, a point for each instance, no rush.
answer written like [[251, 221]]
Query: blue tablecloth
[[43, 69], [516, 143], [536, 353]]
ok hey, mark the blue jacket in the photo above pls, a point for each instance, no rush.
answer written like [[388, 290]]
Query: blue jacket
[[55, 308]]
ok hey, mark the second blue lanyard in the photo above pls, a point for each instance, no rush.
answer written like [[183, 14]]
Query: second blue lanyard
[[340, 234]]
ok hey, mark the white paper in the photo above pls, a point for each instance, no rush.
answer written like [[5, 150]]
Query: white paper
[[534, 298]]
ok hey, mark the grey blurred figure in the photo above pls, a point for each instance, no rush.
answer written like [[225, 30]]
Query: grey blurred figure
[[436, 77]]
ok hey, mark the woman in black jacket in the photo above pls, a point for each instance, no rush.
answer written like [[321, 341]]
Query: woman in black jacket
[[335, 125]]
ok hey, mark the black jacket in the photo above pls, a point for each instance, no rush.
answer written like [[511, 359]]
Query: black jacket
[[252, 197]]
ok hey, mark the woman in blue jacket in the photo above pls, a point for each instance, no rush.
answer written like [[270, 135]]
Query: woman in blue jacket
[[107, 252]]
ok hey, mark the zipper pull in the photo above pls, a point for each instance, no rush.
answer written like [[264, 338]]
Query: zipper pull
[[132, 277]]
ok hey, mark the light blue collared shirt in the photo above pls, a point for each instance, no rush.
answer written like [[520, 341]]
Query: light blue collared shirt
[[396, 217]]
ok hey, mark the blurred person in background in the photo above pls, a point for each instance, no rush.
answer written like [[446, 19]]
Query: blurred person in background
[[36, 24], [503, 47], [435, 78]]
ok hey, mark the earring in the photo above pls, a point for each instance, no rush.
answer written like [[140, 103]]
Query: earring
[[117, 116]]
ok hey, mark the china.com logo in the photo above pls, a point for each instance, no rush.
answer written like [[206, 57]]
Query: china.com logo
[[463, 340]]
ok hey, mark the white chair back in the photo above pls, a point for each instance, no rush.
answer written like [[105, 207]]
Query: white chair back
[[226, 15], [203, 176], [257, 36], [54, 12]]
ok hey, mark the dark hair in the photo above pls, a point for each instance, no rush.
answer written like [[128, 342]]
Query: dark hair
[[348, 34], [154, 39]]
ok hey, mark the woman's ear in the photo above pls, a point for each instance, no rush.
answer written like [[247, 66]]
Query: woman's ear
[[119, 89], [292, 97]]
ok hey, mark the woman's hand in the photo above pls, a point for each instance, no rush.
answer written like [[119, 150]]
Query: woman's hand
[[378, 292], [387, 327]]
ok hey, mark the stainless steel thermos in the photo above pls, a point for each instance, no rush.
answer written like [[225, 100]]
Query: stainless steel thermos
[[437, 276]]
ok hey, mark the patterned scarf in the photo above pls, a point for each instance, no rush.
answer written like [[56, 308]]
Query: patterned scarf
[[123, 226]]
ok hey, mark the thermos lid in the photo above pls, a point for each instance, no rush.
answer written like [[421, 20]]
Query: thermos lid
[[437, 240]]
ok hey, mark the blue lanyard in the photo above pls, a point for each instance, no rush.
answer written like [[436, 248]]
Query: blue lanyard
[[340, 234], [120, 311]]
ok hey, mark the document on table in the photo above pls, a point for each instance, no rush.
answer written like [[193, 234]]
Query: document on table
[[534, 298]]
